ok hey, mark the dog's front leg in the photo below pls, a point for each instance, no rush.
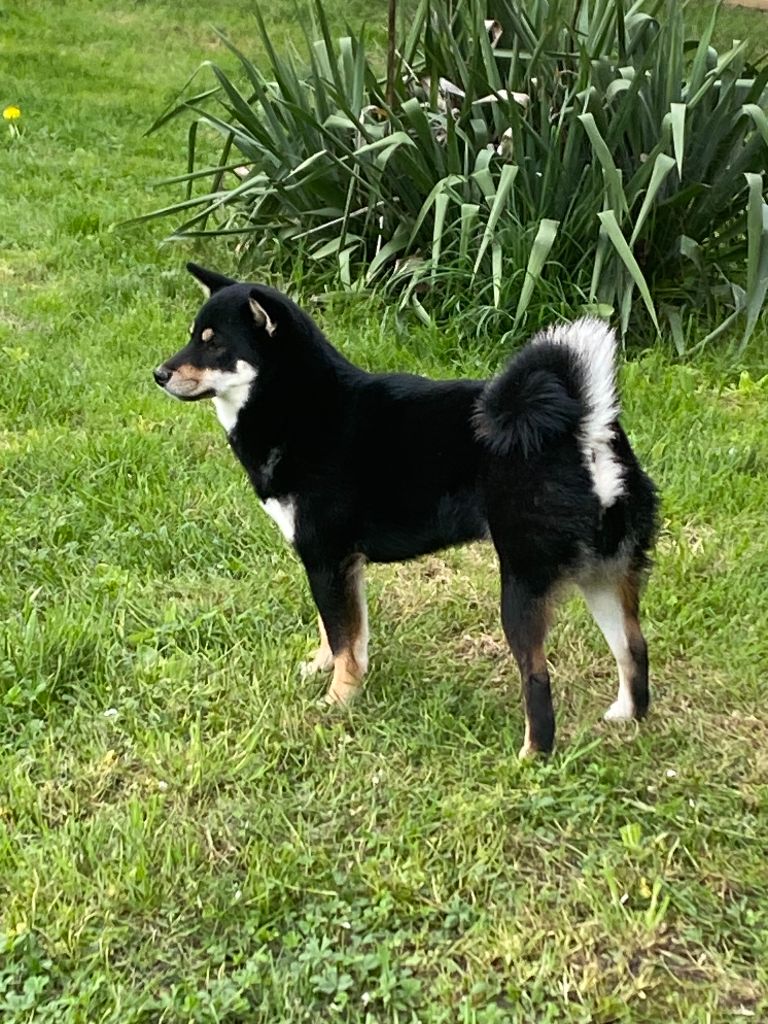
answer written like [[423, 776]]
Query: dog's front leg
[[322, 659], [339, 593]]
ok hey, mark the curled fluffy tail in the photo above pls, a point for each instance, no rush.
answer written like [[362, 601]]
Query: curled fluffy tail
[[562, 383]]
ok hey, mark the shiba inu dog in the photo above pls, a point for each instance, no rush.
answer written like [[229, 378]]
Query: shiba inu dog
[[359, 467]]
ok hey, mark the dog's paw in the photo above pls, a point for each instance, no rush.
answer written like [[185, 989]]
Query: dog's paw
[[619, 711], [319, 662], [340, 693], [530, 753]]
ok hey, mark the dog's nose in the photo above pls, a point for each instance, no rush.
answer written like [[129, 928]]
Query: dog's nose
[[162, 376]]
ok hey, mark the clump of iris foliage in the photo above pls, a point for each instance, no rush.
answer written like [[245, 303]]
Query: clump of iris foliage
[[522, 153]]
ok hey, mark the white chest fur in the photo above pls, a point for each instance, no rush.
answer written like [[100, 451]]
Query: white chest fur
[[283, 511], [233, 389]]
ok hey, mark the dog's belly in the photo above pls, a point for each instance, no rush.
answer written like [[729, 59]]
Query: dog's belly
[[409, 532]]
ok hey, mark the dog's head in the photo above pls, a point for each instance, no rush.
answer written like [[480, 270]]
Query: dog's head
[[227, 340]]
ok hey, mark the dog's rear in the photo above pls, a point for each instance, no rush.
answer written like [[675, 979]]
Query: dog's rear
[[566, 500]]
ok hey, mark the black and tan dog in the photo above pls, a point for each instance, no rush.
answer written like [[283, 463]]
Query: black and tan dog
[[358, 467]]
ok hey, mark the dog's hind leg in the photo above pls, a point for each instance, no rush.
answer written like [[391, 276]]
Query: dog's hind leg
[[525, 618], [322, 659], [615, 604], [339, 593]]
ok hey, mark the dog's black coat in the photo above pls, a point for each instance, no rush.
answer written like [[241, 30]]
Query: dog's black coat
[[386, 467], [383, 466]]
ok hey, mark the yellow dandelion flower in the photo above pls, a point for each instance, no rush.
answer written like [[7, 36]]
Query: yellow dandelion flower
[[11, 113]]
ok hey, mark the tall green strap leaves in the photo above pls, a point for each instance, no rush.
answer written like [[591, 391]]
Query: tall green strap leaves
[[508, 174], [542, 245], [757, 252], [596, 135], [612, 229]]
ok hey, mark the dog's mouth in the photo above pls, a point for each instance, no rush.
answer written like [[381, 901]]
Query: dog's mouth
[[208, 393], [191, 383], [186, 388]]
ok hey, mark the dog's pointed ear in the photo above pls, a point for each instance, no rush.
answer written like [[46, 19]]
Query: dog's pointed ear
[[260, 315], [209, 280]]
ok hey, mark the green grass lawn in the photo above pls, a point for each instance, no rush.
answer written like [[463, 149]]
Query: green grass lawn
[[184, 834]]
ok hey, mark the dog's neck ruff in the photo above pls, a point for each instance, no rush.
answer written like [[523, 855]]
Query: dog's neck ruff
[[230, 401]]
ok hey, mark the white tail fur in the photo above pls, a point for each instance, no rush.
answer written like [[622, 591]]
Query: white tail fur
[[594, 342]]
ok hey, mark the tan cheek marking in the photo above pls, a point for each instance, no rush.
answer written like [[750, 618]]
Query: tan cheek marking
[[190, 373], [207, 334]]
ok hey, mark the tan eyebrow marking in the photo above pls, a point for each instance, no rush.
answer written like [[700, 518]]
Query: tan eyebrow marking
[[207, 334]]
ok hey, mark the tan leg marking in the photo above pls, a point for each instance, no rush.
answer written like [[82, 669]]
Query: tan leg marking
[[527, 751], [347, 679], [322, 659], [351, 664], [538, 666]]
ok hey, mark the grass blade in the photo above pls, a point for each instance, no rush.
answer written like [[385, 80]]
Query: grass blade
[[508, 174], [757, 253], [615, 188], [496, 262], [391, 248], [441, 206], [469, 219], [540, 250], [611, 225], [662, 165], [677, 116]]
